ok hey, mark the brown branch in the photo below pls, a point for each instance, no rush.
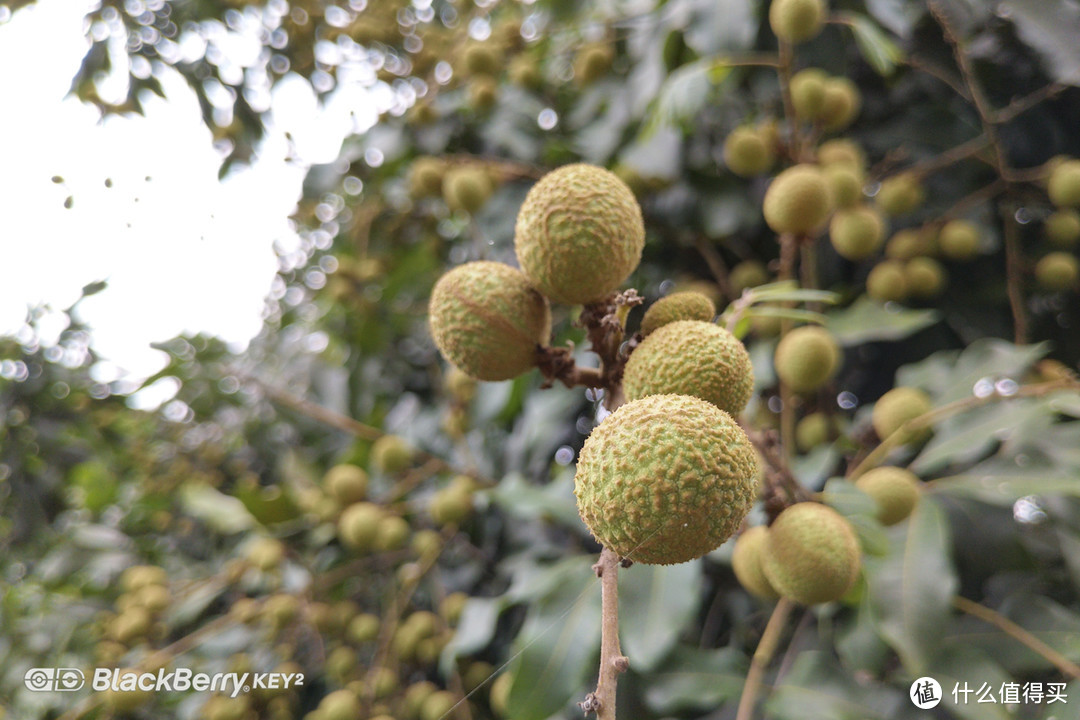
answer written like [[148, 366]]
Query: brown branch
[[972, 199], [612, 661], [717, 266], [789, 251], [762, 656], [796, 147], [1020, 105], [1014, 272], [939, 74], [1007, 626], [950, 157]]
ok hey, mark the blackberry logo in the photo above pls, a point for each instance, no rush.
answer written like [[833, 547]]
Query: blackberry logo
[[54, 679]]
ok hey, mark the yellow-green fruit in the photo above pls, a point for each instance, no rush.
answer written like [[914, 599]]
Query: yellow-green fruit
[[887, 282], [426, 177], [926, 277], [488, 320], [841, 151], [905, 244], [140, 576], [153, 598], [466, 187], [808, 93], [797, 200], [841, 105], [1063, 228], [665, 479], [347, 483], [959, 240], [391, 454], [746, 562], [813, 430], [897, 407], [220, 707], [266, 553], [362, 628], [358, 526], [677, 306], [747, 274], [900, 194], [125, 701], [895, 490], [747, 153], [592, 63], [438, 705], [807, 358], [524, 72], [415, 695], [483, 92], [450, 506], [845, 185], [499, 697], [452, 606], [130, 626], [340, 705], [384, 683], [392, 533], [811, 554], [579, 233], [459, 385], [691, 357], [281, 609], [1057, 271], [426, 543], [796, 21], [858, 233], [1064, 184], [481, 60]]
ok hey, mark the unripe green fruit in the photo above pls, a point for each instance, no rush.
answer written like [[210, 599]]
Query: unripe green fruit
[[1063, 228], [1057, 271], [499, 697], [459, 385], [677, 306], [466, 187], [481, 59], [905, 244], [415, 695], [392, 533], [438, 705], [358, 526], [811, 554], [1064, 184], [426, 542], [488, 320], [845, 185], [579, 234], [126, 701], [476, 674], [347, 483], [140, 576], [808, 93], [221, 707], [887, 282], [807, 358], [796, 21], [131, 625], [746, 563], [665, 479], [690, 357], [926, 277], [959, 240], [450, 506], [858, 233], [340, 705], [900, 194], [524, 73], [841, 105], [266, 553], [592, 63], [797, 200], [281, 609], [391, 454], [483, 92], [452, 606], [746, 152], [813, 430], [895, 490], [153, 598], [362, 628], [747, 274], [841, 151], [426, 177], [384, 683], [897, 407]]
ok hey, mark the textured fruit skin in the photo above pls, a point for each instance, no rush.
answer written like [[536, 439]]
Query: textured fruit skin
[[690, 357], [845, 184], [895, 490], [811, 554], [897, 407], [797, 200], [1063, 228], [466, 188], [488, 320], [579, 233], [1057, 271], [959, 240], [841, 105], [677, 306], [926, 277], [806, 358], [858, 233], [746, 563], [887, 282], [665, 479], [900, 194], [1064, 184], [808, 93], [796, 21], [747, 153]]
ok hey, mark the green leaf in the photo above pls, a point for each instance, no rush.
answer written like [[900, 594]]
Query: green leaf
[[788, 291], [949, 375], [966, 437], [868, 321], [959, 663], [219, 511], [656, 602], [817, 687], [553, 501], [860, 510], [786, 312], [684, 94], [859, 643], [876, 47], [694, 678], [912, 587]]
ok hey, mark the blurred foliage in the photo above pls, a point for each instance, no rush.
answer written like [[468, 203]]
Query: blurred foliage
[[89, 487]]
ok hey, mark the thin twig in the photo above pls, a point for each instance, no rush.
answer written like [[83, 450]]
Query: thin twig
[[1007, 626], [1014, 272], [612, 661], [1021, 105], [762, 656], [789, 250], [717, 266]]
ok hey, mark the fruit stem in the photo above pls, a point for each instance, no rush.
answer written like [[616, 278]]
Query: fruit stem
[[612, 661], [789, 251], [765, 650], [1007, 626]]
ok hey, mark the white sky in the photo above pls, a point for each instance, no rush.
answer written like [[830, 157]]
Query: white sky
[[181, 251]]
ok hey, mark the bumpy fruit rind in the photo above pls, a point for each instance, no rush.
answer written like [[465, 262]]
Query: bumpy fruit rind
[[579, 233], [688, 305], [857, 233], [665, 479], [894, 490], [798, 200], [806, 358], [897, 407], [747, 152], [746, 563], [811, 554], [690, 357], [488, 320]]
